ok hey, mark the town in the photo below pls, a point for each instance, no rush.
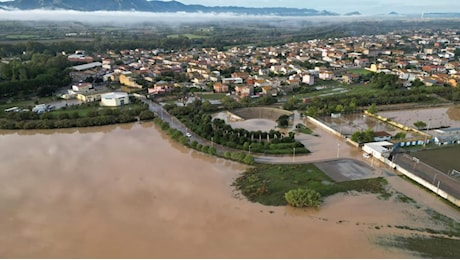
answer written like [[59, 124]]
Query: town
[[422, 57], [323, 117]]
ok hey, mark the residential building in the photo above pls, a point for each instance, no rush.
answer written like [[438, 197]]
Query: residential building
[[220, 88]]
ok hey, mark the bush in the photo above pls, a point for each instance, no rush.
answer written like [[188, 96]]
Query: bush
[[205, 149], [63, 116], [300, 198], [248, 159], [146, 115], [212, 151], [92, 113], [193, 144]]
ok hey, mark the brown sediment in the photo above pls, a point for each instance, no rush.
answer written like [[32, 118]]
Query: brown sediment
[[454, 113], [131, 193]]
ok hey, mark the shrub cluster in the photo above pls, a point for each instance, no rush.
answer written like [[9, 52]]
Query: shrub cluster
[[300, 198]]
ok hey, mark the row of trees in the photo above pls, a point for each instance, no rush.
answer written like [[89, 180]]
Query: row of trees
[[216, 130], [348, 103], [95, 117], [211, 150]]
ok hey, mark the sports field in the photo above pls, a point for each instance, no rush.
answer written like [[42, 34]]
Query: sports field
[[444, 159]]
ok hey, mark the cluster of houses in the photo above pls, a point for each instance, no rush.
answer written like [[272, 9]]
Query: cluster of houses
[[426, 55]]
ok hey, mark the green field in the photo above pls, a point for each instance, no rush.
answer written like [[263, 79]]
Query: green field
[[213, 96], [267, 184], [360, 71], [188, 35], [442, 158]]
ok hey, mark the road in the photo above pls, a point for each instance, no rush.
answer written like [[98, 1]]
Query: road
[[315, 143], [326, 147]]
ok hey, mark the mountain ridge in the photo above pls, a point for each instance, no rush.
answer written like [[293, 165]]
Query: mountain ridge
[[155, 6]]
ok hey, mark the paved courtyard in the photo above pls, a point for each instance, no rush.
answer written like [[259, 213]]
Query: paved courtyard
[[346, 170]]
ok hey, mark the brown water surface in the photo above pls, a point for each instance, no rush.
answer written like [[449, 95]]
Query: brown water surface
[[129, 192]]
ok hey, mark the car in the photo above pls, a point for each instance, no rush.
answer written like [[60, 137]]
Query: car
[[188, 134], [366, 155]]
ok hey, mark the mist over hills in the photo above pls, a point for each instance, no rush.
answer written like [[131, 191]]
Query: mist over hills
[[154, 6]]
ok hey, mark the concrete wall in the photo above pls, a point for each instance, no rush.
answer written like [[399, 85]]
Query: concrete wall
[[423, 182], [330, 130]]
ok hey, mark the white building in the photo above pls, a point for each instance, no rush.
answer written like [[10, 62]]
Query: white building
[[326, 75], [308, 79], [82, 87], [114, 99], [378, 150]]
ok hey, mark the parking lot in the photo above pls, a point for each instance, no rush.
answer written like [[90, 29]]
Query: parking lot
[[346, 170]]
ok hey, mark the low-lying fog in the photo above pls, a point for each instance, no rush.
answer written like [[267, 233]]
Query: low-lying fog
[[123, 17]]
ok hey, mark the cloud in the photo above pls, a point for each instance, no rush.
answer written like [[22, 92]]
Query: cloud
[[121, 17]]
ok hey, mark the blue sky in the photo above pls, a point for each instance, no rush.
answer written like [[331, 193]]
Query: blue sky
[[343, 6]]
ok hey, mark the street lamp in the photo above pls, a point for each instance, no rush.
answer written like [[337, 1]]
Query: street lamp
[[338, 150], [293, 153], [249, 149]]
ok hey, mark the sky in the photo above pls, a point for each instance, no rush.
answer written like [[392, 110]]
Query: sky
[[344, 6]]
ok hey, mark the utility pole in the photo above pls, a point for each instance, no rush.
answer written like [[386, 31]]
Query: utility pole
[[338, 150]]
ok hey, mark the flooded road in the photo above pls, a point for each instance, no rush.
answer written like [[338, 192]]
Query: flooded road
[[129, 192]]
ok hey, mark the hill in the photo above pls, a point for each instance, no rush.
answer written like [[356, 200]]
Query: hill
[[154, 6]]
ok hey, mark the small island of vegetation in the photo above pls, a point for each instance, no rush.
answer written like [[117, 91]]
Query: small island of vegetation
[[270, 184]]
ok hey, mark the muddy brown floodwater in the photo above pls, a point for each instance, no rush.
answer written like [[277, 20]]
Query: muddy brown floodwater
[[129, 192]]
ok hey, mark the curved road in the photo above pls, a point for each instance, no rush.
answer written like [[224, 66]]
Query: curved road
[[323, 147], [316, 144]]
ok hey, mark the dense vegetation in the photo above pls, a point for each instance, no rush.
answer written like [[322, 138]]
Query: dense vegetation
[[33, 75]]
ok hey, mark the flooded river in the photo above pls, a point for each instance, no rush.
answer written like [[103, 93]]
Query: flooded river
[[129, 192]]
